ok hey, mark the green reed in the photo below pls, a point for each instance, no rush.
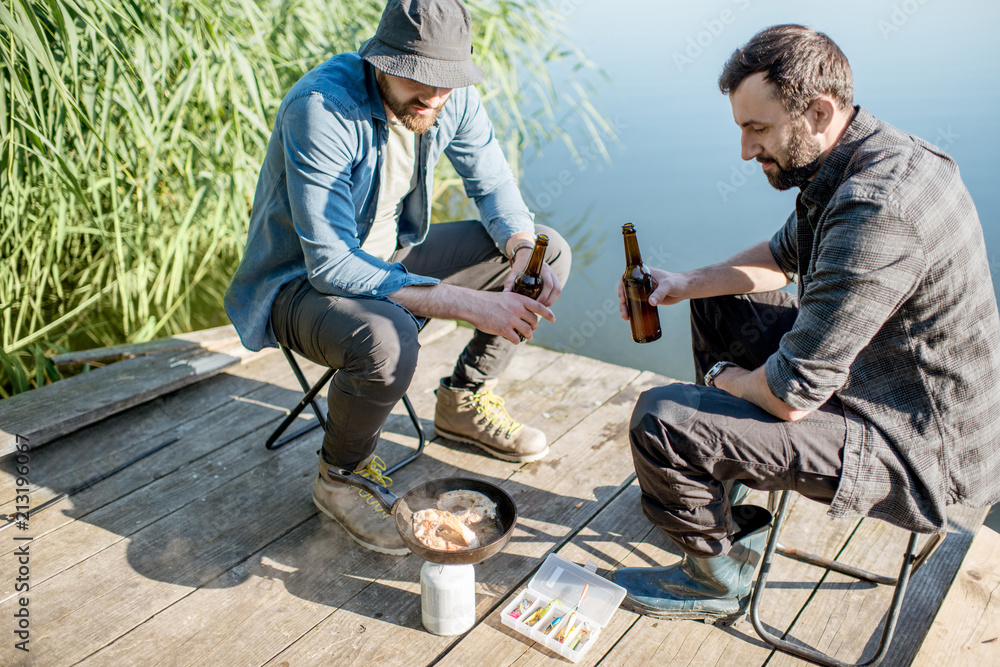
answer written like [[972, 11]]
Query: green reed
[[132, 132]]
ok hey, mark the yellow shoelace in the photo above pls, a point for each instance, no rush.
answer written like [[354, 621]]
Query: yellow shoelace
[[494, 413], [373, 471]]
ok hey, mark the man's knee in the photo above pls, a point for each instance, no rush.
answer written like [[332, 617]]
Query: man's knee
[[558, 255], [386, 351], [674, 403]]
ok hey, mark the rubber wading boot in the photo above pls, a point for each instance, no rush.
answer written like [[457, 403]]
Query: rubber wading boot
[[356, 510], [715, 590], [737, 492], [479, 418]]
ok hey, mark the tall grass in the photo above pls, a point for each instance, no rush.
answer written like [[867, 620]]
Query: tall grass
[[132, 132]]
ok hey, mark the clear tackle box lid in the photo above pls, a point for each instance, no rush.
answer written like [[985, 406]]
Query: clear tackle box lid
[[558, 577]]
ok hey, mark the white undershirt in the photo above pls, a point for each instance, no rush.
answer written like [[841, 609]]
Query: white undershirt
[[398, 178]]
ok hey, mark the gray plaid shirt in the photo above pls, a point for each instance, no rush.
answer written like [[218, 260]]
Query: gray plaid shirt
[[899, 320]]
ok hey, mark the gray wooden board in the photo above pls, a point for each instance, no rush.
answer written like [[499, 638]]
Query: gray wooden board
[[141, 497], [198, 462], [42, 415], [845, 617], [197, 435], [966, 629], [209, 339], [97, 600], [100, 447], [118, 515], [89, 452], [258, 607]]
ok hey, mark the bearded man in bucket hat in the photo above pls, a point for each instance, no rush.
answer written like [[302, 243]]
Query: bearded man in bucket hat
[[341, 262]]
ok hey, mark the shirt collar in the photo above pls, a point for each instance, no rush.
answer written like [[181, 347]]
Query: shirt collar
[[820, 189], [376, 108]]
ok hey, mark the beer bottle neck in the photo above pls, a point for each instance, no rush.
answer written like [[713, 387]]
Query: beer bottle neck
[[534, 267], [632, 256]]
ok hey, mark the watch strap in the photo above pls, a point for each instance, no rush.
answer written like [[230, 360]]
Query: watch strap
[[714, 372]]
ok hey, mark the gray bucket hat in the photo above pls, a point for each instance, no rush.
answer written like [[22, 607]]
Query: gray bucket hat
[[429, 41]]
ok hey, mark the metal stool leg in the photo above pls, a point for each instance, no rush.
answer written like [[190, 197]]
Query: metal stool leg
[[805, 652], [274, 441], [420, 434]]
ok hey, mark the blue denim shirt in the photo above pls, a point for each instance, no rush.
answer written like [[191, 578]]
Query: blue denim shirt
[[316, 196]]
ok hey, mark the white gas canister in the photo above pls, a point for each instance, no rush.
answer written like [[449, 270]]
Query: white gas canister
[[447, 598]]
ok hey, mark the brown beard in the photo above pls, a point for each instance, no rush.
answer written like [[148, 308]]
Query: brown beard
[[413, 122], [802, 159]]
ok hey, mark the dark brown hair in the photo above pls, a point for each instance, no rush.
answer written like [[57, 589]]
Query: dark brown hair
[[801, 62]]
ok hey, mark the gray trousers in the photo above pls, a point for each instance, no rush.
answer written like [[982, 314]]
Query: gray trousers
[[373, 342], [688, 439]]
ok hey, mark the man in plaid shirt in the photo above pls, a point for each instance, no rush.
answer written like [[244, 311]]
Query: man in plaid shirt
[[874, 389]]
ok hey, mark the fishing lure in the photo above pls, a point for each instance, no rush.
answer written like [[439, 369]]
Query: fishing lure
[[581, 639], [566, 629], [553, 624], [537, 616], [524, 606]]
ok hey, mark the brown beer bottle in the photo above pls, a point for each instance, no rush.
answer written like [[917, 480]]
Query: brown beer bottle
[[529, 282], [638, 283]]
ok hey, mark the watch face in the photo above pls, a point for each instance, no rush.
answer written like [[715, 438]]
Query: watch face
[[714, 371]]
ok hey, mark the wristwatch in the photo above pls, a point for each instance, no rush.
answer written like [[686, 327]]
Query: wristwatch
[[714, 371]]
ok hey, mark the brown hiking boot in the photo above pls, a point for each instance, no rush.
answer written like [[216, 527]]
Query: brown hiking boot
[[357, 511], [480, 419]]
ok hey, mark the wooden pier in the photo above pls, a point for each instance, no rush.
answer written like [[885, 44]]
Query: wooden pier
[[210, 551]]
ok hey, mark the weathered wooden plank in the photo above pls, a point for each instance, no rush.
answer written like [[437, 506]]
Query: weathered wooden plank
[[172, 496], [198, 462], [94, 449], [966, 629], [87, 398], [97, 600], [209, 339], [929, 586], [845, 617], [258, 607], [89, 452], [42, 415]]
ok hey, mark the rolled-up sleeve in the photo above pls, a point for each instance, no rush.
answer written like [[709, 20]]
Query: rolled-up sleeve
[[320, 143], [869, 262], [479, 161]]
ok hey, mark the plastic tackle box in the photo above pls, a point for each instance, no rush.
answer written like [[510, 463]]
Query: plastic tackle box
[[550, 598]]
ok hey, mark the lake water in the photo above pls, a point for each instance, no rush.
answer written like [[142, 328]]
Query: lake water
[[928, 67]]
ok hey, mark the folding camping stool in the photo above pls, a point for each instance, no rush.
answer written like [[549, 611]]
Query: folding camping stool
[[911, 561], [276, 440]]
